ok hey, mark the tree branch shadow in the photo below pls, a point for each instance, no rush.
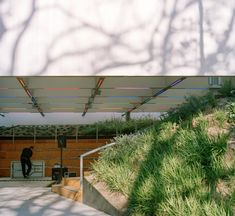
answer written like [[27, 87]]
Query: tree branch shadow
[[150, 168], [156, 56]]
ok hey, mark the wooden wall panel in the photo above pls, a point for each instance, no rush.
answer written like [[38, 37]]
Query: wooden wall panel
[[47, 150], [5, 172], [5, 163]]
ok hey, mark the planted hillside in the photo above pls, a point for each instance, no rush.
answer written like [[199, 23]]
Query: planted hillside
[[184, 165]]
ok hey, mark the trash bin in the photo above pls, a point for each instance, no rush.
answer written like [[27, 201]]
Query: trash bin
[[56, 173]]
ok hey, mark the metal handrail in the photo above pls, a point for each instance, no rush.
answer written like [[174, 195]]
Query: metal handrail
[[88, 153], [91, 152]]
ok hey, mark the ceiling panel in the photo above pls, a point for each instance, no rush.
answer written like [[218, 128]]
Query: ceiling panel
[[95, 94]]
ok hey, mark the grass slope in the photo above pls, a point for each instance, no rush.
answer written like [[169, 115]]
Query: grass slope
[[182, 166]]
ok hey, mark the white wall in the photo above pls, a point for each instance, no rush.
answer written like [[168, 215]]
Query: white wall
[[107, 37]]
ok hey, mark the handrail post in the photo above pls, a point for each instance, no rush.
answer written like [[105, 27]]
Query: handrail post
[[81, 175]]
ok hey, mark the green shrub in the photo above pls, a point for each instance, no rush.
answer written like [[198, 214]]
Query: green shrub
[[221, 117], [108, 128], [231, 112], [128, 153], [178, 206], [192, 106], [226, 89], [173, 168]]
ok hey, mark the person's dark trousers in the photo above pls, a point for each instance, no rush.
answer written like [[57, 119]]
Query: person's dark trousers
[[29, 166]]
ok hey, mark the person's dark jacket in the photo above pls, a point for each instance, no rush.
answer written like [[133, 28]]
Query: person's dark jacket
[[26, 153]]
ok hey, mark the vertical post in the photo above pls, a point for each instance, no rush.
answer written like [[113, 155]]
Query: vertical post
[[55, 133], [116, 130], [97, 133], [34, 134], [81, 173], [76, 135], [13, 135], [61, 163], [61, 145], [135, 127], [128, 116]]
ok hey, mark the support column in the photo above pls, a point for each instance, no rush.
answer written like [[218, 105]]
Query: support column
[[13, 135], [34, 134], [76, 135], [97, 133], [55, 134], [128, 116]]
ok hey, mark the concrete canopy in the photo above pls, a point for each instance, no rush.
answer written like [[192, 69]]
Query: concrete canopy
[[96, 94]]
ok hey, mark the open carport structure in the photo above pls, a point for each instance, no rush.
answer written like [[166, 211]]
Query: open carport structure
[[98, 94]]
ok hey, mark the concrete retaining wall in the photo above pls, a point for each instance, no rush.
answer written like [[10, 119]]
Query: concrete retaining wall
[[94, 197]]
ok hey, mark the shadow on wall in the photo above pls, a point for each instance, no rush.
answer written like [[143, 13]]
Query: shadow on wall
[[2, 27], [98, 38]]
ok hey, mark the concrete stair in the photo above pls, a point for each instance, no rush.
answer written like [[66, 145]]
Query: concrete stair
[[72, 182], [69, 188]]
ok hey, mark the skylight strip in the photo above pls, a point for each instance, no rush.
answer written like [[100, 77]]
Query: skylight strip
[[13, 108], [129, 97], [132, 88], [61, 96], [112, 108], [8, 96], [172, 97], [63, 89], [62, 108]]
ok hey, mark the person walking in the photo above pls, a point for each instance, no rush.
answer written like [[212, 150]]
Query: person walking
[[25, 160]]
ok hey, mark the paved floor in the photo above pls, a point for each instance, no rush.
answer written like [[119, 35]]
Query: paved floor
[[23, 198], [21, 182]]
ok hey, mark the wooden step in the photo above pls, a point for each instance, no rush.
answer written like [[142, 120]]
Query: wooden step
[[72, 181], [55, 188], [67, 191]]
